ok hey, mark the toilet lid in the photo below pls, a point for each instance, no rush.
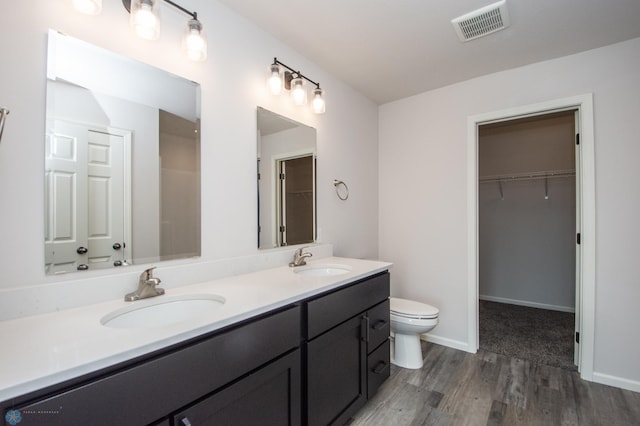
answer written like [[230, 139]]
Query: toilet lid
[[412, 309]]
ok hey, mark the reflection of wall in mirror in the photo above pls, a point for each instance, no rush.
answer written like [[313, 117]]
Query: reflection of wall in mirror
[[180, 187], [277, 146]]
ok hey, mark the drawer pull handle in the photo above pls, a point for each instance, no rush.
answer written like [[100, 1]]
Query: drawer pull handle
[[380, 325], [364, 329], [380, 367]]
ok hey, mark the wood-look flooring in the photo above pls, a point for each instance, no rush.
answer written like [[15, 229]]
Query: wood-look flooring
[[458, 388]]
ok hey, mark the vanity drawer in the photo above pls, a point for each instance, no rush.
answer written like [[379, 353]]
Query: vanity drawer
[[329, 310], [151, 389], [379, 364], [269, 396], [379, 326]]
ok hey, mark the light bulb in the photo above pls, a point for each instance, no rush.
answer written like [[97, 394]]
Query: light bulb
[[298, 92], [274, 80], [194, 42], [318, 103], [145, 18], [88, 7]]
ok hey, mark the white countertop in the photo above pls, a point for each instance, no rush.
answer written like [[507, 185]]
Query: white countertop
[[43, 350]]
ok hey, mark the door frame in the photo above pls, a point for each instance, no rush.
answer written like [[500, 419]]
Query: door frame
[[585, 207], [276, 190]]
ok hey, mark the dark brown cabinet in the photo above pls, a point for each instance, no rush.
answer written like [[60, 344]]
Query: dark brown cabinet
[[347, 349], [315, 362], [150, 389]]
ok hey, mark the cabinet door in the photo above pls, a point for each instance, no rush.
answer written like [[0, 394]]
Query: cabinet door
[[269, 396], [336, 373]]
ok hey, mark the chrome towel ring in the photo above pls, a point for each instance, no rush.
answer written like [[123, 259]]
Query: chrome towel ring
[[3, 115], [344, 194]]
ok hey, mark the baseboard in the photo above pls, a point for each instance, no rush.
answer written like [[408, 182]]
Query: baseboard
[[527, 303], [618, 382], [455, 344]]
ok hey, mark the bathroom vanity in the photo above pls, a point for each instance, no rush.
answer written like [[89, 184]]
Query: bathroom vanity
[[314, 358]]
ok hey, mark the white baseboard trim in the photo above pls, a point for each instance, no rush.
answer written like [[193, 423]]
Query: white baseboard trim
[[455, 344], [618, 382], [527, 303]]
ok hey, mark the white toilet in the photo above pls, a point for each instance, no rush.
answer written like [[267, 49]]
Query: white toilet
[[409, 319]]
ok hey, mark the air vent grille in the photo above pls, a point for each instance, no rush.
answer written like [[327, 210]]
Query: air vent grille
[[482, 22]]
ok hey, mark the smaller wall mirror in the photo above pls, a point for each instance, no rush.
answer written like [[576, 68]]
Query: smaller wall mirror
[[286, 181]]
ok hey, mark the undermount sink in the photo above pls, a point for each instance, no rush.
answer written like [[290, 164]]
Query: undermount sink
[[163, 311], [321, 270]]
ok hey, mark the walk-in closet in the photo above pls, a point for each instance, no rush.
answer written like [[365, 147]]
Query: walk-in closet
[[527, 231]]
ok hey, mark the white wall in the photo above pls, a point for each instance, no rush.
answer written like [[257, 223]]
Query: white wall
[[527, 227], [423, 208], [233, 85], [527, 243]]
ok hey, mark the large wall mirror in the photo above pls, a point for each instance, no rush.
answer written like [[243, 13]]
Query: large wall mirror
[[122, 160], [286, 181]]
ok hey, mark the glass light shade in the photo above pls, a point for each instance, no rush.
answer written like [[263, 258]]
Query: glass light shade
[[274, 79], [298, 91], [194, 41], [145, 18], [88, 7], [318, 103]]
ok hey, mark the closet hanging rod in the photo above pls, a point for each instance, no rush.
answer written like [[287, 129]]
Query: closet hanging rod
[[528, 176]]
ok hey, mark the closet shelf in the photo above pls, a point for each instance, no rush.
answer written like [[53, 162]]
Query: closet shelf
[[528, 176]]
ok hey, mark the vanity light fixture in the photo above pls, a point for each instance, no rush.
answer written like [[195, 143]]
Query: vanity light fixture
[[145, 20], [294, 81], [88, 7]]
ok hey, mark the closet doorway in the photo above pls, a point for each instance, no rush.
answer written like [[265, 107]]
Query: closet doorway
[[527, 226], [585, 208]]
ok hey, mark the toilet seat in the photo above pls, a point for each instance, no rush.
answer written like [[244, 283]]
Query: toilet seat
[[411, 309]]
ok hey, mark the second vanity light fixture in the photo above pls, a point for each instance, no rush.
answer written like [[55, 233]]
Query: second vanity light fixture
[[294, 81], [145, 20]]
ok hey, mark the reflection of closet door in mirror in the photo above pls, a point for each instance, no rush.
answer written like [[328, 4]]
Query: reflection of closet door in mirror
[[65, 182], [106, 195], [296, 200], [87, 219]]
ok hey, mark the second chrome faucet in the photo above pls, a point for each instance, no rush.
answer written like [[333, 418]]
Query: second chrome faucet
[[299, 258]]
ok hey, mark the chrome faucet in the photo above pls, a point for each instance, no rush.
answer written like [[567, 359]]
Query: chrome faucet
[[147, 287], [298, 258]]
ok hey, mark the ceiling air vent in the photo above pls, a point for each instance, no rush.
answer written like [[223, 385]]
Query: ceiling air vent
[[482, 22]]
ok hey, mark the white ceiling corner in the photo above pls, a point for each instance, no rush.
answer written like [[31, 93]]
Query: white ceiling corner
[[392, 49]]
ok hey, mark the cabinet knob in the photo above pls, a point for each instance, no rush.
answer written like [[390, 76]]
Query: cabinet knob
[[117, 263], [117, 246], [83, 267], [82, 250]]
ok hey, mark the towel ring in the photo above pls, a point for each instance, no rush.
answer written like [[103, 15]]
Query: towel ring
[[345, 194], [3, 116]]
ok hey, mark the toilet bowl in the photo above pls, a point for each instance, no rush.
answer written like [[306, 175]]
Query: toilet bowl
[[409, 319]]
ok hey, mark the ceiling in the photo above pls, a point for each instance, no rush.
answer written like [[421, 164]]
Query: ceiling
[[392, 49]]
